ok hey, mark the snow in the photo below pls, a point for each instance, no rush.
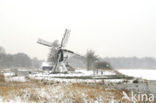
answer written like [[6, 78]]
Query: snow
[[18, 79], [77, 73], [84, 72], [142, 73], [75, 77], [48, 64], [9, 74], [52, 94], [42, 92]]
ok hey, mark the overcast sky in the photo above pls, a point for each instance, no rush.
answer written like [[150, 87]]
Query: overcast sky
[[110, 27]]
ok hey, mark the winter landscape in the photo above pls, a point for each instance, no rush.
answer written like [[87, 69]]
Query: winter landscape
[[68, 77], [81, 87], [77, 51]]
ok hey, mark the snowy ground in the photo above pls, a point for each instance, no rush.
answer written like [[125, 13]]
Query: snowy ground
[[143, 73], [44, 92], [42, 87]]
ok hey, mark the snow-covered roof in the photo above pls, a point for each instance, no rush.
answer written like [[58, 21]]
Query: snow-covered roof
[[46, 64]]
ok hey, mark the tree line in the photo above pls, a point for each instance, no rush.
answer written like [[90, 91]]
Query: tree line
[[90, 58], [132, 62], [17, 60]]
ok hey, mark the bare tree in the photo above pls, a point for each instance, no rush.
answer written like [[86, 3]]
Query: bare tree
[[2, 50], [36, 63], [103, 65], [17, 60], [21, 60], [2, 56], [90, 59]]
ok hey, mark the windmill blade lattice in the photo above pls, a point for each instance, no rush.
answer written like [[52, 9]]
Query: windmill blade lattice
[[65, 38], [43, 42]]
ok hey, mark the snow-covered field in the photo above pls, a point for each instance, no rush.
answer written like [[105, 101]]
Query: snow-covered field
[[79, 76], [140, 73], [75, 87], [143, 73], [36, 91]]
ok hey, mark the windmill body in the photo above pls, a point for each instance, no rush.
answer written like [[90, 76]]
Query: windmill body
[[59, 61]]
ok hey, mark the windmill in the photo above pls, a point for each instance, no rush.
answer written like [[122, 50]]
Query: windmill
[[60, 50]]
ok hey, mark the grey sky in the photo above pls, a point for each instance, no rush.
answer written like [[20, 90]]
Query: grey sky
[[111, 27]]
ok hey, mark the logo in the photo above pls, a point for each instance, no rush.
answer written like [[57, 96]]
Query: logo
[[137, 97], [134, 98]]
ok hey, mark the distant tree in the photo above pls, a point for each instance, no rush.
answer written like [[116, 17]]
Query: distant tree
[[2, 50], [17, 60], [90, 59], [132, 62], [36, 63], [2, 56], [21, 60], [77, 61]]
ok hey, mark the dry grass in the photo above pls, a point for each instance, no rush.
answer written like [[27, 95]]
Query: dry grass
[[2, 78], [92, 93], [11, 90], [46, 92]]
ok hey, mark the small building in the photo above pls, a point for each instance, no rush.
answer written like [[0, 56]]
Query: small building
[[47, 66]]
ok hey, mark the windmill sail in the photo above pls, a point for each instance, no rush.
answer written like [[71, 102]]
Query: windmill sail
[[43, 42], [65, 38], [71, 52]]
